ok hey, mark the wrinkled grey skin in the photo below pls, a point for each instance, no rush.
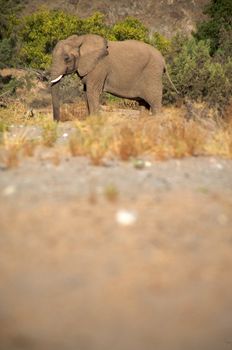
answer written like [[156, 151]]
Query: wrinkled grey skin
[[129, 69]]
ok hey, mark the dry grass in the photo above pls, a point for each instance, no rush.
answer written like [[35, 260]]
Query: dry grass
[[14, 113], [10, 157], [49, 133], [29, 147], [162, 137], [91, 139], [11, 148], [121, 135], [74, 111], [17, 112]]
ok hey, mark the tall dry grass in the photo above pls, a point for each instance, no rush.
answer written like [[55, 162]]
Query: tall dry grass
[[169, 135], [127, 135], [11, 148]]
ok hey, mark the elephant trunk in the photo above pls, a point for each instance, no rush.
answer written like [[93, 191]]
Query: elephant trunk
[[56, 101], [55, 88]]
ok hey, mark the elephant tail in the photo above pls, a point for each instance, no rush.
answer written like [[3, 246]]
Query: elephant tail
[[170, 80]]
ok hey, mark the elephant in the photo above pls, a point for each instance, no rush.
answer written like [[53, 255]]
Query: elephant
[[130, 69]]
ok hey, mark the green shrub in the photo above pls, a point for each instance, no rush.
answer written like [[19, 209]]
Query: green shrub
[[95, 24], [224, 51], [187, 67], [218, 86], [228, 72], [9, 8], [40, 32], [6, 52], [196, 74], [220, 18], [130, 28], [161, 43], [9, 85], [8, 23]]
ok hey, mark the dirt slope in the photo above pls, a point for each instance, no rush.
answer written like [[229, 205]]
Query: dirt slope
[[166, 16]]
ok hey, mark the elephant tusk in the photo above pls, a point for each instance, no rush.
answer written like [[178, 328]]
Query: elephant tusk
[[57, 79]]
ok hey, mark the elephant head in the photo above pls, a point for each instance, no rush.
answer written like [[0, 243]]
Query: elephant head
[[75, 54]]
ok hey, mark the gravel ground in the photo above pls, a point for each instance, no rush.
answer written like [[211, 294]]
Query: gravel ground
[[75, 177], [147, 268]]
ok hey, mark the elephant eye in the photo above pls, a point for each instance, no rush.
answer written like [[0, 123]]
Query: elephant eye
[[67, 58]]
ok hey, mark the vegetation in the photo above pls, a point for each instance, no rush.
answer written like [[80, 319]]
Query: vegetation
[[40, 32], [169, 135], [197, 74], [9, 8], [8, 23], [94, 24], [49, 133], [201, 66], [219, 22], [161, 43], [130, 28]]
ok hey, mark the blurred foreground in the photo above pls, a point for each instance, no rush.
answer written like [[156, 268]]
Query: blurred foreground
[[74, 276]]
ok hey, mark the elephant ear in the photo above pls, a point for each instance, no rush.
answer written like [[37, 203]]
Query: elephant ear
[[92, 49]]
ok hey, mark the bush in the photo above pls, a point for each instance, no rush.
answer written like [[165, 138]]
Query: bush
[[9, 85], [187, 67], [196, 74], [8, 23], [220, 19], [40, 32], [218, 86], [161, 43], [130, 28], [6, 52], [95, 24], [9, 8], [224, 51]]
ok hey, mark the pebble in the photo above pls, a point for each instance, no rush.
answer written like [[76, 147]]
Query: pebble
[[126, 218], [148, 164], [141, 164], [9, 190], [216, 164], [219, 166]]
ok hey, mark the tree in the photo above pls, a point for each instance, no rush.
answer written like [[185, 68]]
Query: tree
[[9, 8], [130, 28], [220, 20], [41, 31], [8, 21]]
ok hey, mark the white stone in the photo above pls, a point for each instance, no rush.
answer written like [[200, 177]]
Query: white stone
[[147, 164], [9, 190], [126, 218]]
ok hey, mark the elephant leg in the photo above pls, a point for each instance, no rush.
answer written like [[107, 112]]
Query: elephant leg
[[93, 93], [154, 99], [156, 105], [85, 97]]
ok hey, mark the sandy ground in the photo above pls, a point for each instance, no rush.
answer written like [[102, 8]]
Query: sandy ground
[[74, 276]]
